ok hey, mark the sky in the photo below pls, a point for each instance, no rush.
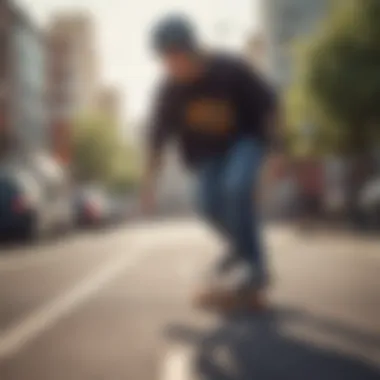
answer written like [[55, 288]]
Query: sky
[[123, 31]]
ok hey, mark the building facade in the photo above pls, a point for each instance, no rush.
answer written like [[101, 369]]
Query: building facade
[[5, 22], [29, 110], [72, 76], [23, 107], [283, 23]]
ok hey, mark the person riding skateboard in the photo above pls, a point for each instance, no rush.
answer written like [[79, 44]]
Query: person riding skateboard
[[224, 117]]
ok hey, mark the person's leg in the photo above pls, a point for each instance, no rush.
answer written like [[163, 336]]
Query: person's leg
[[230, 187], [241, 173], [211, 204], [209, 199], [209, 194]]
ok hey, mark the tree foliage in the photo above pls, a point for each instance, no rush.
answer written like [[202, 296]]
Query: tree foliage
[[338, 83], [100, 155]]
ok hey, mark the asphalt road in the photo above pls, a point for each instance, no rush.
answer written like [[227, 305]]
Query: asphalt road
[[114, 305]]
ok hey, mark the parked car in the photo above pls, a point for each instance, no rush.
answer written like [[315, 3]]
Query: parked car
[[20, 200], [35, 198], [91, 207], [56, 192]]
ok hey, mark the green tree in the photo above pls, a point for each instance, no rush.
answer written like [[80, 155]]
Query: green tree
[[338, 86], [93, 150], [126, 169], [100, 155]]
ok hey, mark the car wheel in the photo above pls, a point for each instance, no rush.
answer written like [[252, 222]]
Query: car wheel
[[34, 230], [29, 229]]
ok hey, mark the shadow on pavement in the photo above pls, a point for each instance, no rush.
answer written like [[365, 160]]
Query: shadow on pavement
[[12, 245], [256, 347]]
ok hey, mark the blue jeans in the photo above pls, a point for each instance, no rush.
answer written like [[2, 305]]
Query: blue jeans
[[227, 187]]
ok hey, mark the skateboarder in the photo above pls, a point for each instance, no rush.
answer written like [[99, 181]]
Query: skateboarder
[[224, 116]]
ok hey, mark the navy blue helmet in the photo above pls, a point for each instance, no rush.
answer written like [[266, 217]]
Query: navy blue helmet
[[173, 33]]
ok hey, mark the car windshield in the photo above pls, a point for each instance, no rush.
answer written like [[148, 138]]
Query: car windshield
[[19, 181]]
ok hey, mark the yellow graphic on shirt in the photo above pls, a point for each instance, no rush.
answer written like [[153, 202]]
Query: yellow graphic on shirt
[[210, 116]]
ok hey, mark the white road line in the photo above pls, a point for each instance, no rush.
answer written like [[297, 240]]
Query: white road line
[[26, 257], [19, 335], [177, 365]]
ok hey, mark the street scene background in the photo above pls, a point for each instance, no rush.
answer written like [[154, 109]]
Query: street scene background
[[90, 288]]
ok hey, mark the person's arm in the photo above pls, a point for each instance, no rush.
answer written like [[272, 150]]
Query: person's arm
[[159, 132]]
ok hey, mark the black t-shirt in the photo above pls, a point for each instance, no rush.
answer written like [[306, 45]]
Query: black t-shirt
[[228, 101]]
